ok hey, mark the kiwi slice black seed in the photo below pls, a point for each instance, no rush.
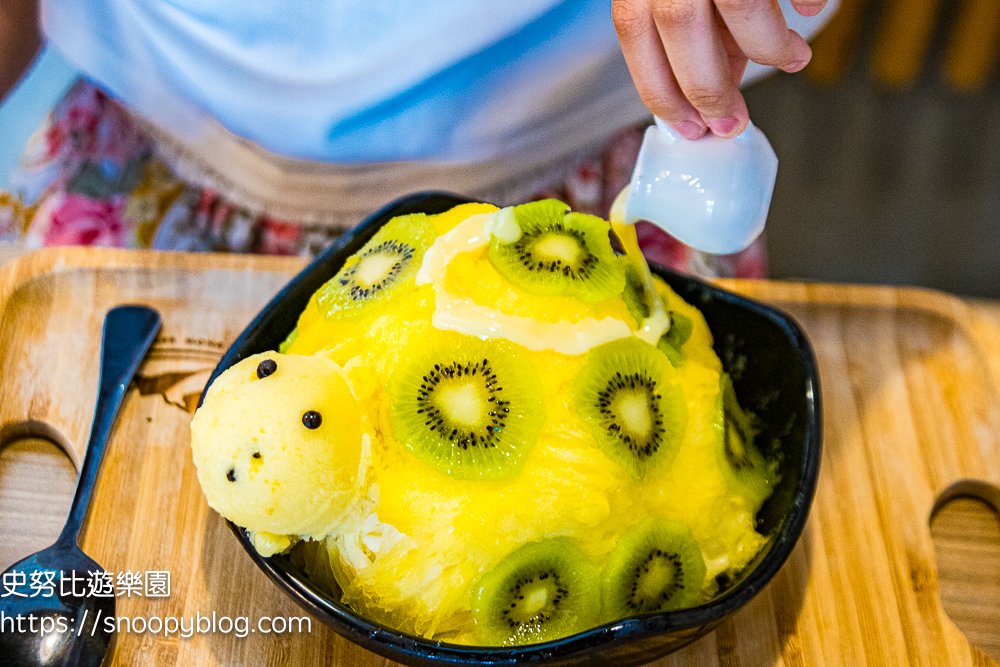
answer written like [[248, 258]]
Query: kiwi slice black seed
[[672, 342], [559, 253], [369, 278], [656, 566], [627, 394], [468, 407], [746, 470], [541, 591]]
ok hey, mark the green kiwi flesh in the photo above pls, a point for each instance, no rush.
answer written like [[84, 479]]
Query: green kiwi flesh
[[372, 275], [541, 591], [635, 292], [287, 343], [627, 394], [559, 253], [656, 566], [672, 342], [468, 407], [746, 470]]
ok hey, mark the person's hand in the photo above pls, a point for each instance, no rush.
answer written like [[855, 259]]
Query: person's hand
[[687, 56]]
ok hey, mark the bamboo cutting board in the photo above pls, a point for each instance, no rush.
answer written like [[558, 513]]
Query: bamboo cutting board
[[911, 417]]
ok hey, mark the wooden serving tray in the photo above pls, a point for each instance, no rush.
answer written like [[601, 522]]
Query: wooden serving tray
[[911, 417]]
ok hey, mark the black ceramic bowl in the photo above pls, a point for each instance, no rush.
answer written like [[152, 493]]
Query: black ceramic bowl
[[775, 376]]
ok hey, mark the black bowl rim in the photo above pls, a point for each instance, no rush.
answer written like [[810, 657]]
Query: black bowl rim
[[401, 646]]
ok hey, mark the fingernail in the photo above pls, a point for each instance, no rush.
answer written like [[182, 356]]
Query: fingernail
[[796, 66], [806, 10], [689, 129], [722, 126]]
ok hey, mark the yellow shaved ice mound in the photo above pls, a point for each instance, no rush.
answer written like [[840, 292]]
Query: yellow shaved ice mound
[[470, 275], [405, 542]]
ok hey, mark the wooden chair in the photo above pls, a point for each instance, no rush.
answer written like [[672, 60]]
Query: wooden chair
[[903, 37]]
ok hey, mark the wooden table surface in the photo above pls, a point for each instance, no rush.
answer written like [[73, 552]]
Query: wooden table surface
[[941, 349]]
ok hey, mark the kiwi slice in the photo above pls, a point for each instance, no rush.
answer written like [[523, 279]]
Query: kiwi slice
[[559, 253], [635, 292], [745, 468], [627, 394], [541, 591], [371, 276], [672, 342], [287, 343], [468, 407], [656, 566]]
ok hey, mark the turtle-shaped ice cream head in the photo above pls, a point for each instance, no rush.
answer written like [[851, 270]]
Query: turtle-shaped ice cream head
[[278, 444]]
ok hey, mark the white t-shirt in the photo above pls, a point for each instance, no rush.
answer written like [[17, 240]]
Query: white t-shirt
[[359, 81], [350, 81], [506, 83]]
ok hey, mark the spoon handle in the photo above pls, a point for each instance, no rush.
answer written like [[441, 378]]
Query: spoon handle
[[128, 333]]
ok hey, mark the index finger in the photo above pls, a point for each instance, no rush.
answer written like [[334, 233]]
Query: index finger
[[647, 63], [692, 38]]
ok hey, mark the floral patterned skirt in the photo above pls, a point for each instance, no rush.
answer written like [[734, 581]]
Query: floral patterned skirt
[[91, 175]]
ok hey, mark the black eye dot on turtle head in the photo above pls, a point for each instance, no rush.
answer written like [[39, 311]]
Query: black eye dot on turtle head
[[266, 367], [257, 456], [231, 475], [312, 419]]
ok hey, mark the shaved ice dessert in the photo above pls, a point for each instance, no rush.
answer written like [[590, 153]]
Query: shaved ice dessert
[[492, 428]]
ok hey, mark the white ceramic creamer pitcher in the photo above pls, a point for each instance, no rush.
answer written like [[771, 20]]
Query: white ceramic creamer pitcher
[[710, 193]]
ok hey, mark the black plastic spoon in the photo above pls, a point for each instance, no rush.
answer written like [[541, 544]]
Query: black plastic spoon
[[51, 613]]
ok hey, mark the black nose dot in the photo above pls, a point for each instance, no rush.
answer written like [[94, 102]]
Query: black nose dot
[[266, 367], [231, 475], [257, 456], [312, 419]]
